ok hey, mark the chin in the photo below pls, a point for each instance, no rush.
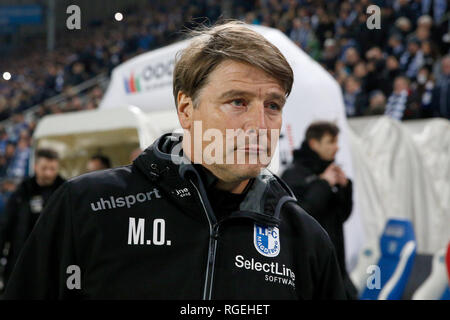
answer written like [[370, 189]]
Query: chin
[[247, 171]]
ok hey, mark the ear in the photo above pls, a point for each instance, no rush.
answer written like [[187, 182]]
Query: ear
[[185, 109], [313, 144]]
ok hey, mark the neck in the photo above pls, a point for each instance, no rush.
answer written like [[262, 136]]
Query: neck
[[233, 187]]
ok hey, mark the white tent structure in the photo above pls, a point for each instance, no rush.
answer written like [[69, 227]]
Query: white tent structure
[[405, 170], [146, 81], [115, 133]]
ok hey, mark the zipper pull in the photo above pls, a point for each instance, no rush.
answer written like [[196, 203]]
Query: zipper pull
[[215, 234]]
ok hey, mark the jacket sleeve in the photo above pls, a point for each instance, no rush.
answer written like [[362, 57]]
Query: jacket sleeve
[[8, 220], [346, 201], [41, 269], [315, 198]]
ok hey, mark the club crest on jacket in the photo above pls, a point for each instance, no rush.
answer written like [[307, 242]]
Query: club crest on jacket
[[267, 240]]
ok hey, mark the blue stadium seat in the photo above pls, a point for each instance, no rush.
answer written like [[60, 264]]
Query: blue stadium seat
[[398, 249], [435, 287]]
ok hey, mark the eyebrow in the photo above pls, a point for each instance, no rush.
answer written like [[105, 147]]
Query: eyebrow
[[233, 93]]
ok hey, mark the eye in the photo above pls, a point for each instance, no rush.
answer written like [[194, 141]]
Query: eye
[[238, 103], [274, 106]]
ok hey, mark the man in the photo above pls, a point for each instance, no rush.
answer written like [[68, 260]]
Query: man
[[26, 204], [412, 59], [98, 162], [440, 101], [322, 187], [355, 99], [166, 227], [401, 103], [377, 103]]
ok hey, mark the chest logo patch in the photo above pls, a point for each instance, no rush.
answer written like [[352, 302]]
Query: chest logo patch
[[267, 240]]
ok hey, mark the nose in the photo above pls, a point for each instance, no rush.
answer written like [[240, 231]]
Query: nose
[[256, 118]]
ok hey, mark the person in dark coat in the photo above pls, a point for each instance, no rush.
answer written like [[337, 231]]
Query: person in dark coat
[[440, 101], [322, 188], [26, 203]]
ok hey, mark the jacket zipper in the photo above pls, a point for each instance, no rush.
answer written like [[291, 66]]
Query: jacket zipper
[[212, 248]]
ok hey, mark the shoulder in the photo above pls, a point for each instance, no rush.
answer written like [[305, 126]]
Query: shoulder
[[294, 172], [24, 188], [102, 178], [305, 228], [109, 182]]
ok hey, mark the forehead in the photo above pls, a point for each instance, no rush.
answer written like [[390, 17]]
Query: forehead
[[239, 75], [328, 137], [46, 161]]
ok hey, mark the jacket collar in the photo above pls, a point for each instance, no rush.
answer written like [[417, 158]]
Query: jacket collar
[[308, 158]]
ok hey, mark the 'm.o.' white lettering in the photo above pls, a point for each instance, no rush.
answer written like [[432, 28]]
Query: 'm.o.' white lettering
[[136, 234]]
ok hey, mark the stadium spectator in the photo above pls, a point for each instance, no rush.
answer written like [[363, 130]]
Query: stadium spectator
[[322, 187], [26, 203], [402, 103], [423, 87], [134, 154], [355, 100], [441, 93], [329, 55], [395, 46], [351, 58], [377, 103], [412, 59], [304, 36], [18, 168], [7, 158], [98, 162], [387, 76]]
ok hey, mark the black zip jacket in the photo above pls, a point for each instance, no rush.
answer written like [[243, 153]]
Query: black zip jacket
[[22, 211], [331, 207], [148, 231]]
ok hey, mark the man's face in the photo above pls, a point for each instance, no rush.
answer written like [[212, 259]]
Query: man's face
[[326, 147], [400, 84], [446, 66], [237, 96], [46, 171], [94, 165]]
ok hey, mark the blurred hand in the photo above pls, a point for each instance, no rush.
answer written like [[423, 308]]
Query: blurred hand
[[330, 175], [341, 177]]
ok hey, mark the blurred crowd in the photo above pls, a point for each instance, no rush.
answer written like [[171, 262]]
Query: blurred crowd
[[401, 70]]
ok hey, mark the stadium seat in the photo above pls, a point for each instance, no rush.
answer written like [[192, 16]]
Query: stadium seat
[[398, 249], [436, 285], [368, 256], [420, 272]]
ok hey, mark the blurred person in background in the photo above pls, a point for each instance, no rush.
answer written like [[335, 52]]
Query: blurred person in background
[[7, 158], [329, 54], [351, 58], [440, 103], [134, 154], [377, 103], [322, 187], [26, 203], [98, 162], [395, 45], [423, 88], [412, 59], [355, 99], [399, 105], [18, 168]]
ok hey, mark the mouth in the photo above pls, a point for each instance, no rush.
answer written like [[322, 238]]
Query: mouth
[[251, 149]]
